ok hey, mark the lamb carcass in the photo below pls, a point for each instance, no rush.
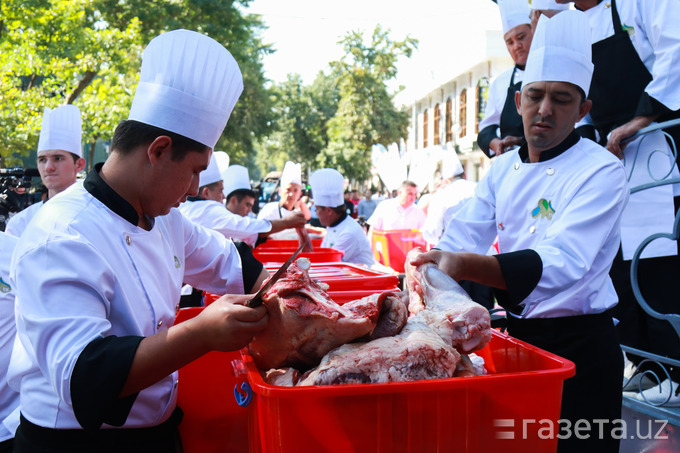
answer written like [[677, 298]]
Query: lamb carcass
[[305, 323], [446, 307]]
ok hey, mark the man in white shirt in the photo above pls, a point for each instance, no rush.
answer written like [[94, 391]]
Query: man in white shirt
[[400, 213], [9, 398], [60, 159]]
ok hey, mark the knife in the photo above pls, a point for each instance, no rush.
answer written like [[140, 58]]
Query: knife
[[256, 301]]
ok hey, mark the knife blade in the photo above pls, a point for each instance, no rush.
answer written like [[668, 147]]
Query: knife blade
[[256, 301]]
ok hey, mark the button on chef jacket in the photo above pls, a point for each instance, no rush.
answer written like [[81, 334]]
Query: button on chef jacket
[[9, 398], [349, 237], [90, 285], [214, 215], [274, 211], [557, 223]]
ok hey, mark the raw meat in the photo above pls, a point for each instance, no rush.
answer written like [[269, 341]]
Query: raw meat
[[447, 307], [304, 323]]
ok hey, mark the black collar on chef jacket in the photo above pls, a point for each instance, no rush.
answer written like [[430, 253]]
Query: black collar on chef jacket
[[340, 219], [104, 193], [551, 153]]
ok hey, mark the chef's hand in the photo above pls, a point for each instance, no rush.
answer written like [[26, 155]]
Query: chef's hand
[[448, 262], [296, 220], [484, 269], [625, 131], [501, 145], [228, 325]]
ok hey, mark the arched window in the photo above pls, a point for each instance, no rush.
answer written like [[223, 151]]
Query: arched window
[[462, 113], [437, 120], [449, 120], [425, 126]]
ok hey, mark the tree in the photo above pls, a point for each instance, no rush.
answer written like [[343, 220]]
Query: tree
[[366, 114]]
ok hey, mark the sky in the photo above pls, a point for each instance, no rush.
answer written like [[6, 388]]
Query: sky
[[305, 34]]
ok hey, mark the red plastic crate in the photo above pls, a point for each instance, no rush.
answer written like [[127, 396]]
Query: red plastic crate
[[286, 244], [319, 255], [339, 297], [348, 276], [213, 422], [391, 246], [444, 415]]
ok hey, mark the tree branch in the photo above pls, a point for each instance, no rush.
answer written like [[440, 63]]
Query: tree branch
[[84, 82]]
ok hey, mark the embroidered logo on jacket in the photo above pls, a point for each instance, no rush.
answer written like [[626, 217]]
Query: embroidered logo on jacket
[[628, 29], [177, 264], [4, 287], [544, 209]]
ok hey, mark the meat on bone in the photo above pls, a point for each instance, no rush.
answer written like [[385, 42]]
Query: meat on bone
[[305, 323]]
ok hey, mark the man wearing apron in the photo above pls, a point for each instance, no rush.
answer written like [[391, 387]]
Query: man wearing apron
[[501, 129], [555, 205], [98, 272], [636, 52]]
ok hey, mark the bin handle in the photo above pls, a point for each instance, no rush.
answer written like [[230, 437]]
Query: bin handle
[[243, 398]]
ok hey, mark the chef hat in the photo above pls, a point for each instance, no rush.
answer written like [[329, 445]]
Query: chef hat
[[235, 177], [61, 129], [451, 165], [292, 173], [327, 187], [188, 84], [222, 159], [560, 51], [210, 174], [514, 13], [549, 4]]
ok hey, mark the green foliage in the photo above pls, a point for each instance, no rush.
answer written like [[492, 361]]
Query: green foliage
[[335, 122]]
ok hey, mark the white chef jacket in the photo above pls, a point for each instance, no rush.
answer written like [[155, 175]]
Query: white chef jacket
[[17, 223], [214, 215], [349, 237], [390, 215], [445, 203], [654, 32], [274, 211], [9, 398], [582, 191], [495, 101], [84, 273]]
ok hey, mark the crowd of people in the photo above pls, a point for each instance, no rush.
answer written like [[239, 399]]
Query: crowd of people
[[89, 351]]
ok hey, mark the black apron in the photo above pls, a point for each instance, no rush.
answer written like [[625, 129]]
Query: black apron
[[511, 121], [619, 79]]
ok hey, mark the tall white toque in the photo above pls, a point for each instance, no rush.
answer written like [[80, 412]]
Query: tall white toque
[[235, 178], [327, 188], [561, 51], [549, 4], [61, 129], [514, 13], [211, 174], [292, 173], [189, 84]]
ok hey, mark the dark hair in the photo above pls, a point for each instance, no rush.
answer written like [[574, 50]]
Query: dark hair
[[407, 183], [130, 134], [240, 194], [340, 210]]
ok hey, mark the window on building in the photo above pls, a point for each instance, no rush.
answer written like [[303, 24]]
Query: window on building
[[462, 113], [425, 126], [449, 120], [482, 90], [437, 120]]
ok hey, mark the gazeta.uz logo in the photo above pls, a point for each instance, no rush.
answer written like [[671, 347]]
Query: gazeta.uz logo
[[4, 287]]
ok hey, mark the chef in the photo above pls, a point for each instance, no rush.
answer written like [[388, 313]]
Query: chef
[[555, 205], [60, 158], [9, 398], [501, 129], [290, 193], [342, 231], [636, 49], [98, 273], [207, 209]]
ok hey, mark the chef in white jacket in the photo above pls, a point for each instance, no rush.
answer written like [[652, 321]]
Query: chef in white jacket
[[342, 231], [9, 398], [290, 202], [60, 159], [555, 205], [501, 128], [98, 272], [636, 82]]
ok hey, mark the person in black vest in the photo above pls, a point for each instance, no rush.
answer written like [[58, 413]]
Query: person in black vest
[[636, 81]]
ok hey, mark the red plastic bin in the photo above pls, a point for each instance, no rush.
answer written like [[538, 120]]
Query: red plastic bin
[[348, 276], [479, 414], [286, 244], [391, 246], [319, 255], [339, 297], [213, 422]]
